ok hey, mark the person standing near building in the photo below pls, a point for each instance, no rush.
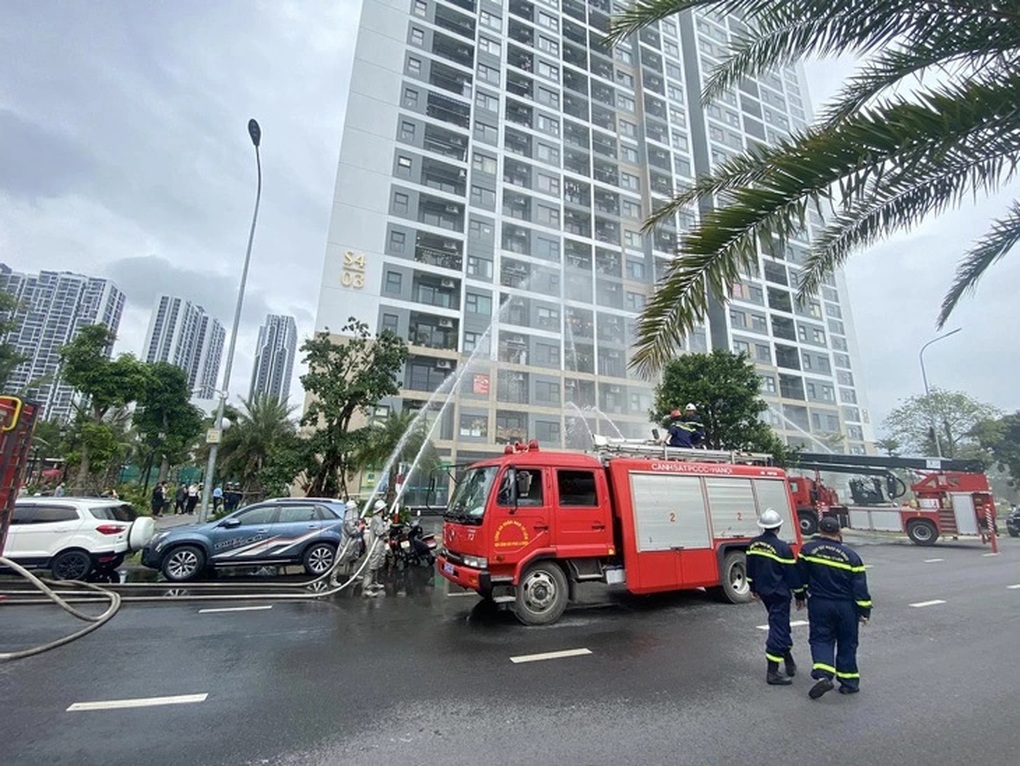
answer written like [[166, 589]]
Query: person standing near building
[[838, 602], [192, 500], [180, 497], [158, 500], [375, 542], [774, 579]]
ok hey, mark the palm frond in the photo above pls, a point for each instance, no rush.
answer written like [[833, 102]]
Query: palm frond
[[1002, 238]]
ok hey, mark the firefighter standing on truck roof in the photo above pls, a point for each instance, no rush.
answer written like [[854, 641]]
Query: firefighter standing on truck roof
[[774, 579], [838, 601], [685, 430]]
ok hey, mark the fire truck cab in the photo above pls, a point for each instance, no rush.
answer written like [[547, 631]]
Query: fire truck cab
[[523, 529]]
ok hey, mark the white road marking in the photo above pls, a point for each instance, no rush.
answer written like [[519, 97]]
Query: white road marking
[[465, 593], [793, 624], [1013, 587], [986, 555], [235, 609], [549, 655], [933, 602], [181, 699], [932, 561]]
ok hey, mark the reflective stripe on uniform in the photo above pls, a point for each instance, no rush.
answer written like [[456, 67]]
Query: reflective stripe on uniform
[[772, 556], [847, 675], [823, 666], [864, 604], [831, 563], [773, 657]]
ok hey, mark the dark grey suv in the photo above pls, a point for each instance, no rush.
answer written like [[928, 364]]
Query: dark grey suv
[[302, 531]]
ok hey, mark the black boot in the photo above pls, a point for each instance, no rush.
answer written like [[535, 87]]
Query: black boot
[[789, 664], [821, 687], [774, 678]]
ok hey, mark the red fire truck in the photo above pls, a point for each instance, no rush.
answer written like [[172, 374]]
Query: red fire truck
[[17, 421], [523, 529], [952, 497]]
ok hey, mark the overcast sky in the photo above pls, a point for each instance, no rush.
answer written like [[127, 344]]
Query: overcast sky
[[124, 153]]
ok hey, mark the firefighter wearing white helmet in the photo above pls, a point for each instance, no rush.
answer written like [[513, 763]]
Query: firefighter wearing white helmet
[[686, 431], [351, 545], [378, 526], [772, 575]]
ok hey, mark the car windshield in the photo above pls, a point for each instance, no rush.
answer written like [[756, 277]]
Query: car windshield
[[468, 501], [118, 512]]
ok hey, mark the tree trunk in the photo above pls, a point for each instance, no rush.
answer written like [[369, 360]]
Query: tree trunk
[[164, 468], [78, 487]]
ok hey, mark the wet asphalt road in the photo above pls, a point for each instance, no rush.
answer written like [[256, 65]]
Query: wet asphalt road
[[424, 676]]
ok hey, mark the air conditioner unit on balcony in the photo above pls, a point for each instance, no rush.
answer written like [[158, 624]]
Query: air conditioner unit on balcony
[[444, 364], [448, 284], [446, 323], [516, 339], [452, 209], [614, 389], [518, 376]]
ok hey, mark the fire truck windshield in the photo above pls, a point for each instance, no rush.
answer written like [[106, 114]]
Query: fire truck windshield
[[468, 501]]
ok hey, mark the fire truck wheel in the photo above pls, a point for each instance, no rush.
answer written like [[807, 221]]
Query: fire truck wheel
[[541, 594], [922, 532], [808, 523], [733, 577]]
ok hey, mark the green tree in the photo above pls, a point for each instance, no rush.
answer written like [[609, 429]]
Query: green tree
[[9, 356], [344, 379], [165, 419], [105, 385], [927, 121], [256, 448], [726, 390], [953, 413], [384, 440], [891, 447], [1000, 437]]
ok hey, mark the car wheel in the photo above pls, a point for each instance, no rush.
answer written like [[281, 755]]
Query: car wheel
[[71, 565], [318, 558], [733, 577], [541, 594], [1013, 532], [183, 563], [808, 523]]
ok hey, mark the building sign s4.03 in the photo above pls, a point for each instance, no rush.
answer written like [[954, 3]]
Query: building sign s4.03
[[353, 273]]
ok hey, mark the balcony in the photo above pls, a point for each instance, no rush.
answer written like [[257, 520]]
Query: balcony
[[604, 146], [606, 231], [436, 251], [783, 328], [572, 54], [517, 173], [446, 178], [575, 82], [516, 57], [435, 291], [430, 331], [577, 223], [453, 50], [521, 33], [440, 213], [515, 239], [607, 202], [601, 67], [517, 143], [517, 206], [579, 323], [604, 118], [575, 106], [580, 392], [577, 193], [608, 263], [514, 273], [577, 162], [522, 9], [578, 256], [445, 142], [607, 172], [448, 110], [519, 85], [455, 22]]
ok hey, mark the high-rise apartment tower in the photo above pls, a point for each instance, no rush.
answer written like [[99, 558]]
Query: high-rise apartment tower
[[496, 166], [274, 358], [183, 334]]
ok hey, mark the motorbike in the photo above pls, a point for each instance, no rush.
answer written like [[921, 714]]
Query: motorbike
[[408, 545]]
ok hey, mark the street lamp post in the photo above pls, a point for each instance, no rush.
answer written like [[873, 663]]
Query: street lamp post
[[924, 379], [255, 132]]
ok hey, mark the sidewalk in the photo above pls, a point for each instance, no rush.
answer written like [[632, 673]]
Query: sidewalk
[[171, 521]]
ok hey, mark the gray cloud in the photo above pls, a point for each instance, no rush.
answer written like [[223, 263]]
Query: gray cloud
[[36, 161]]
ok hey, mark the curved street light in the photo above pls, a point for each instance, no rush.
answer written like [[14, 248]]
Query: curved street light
[[924, 379], [255, 133]]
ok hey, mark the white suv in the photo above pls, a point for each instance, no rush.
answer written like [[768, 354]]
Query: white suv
[[73, 537]]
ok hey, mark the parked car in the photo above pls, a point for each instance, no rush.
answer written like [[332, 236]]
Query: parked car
[[302, 531], [75, 537], [1013, 522]]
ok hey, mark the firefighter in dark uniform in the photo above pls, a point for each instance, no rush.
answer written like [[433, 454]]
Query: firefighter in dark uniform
[[774, 579], [685, 430], [838, 601]]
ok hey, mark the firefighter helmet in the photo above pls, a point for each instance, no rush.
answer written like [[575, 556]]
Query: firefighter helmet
[[380, 505], [351, 505], [770, 520], [690, 408]]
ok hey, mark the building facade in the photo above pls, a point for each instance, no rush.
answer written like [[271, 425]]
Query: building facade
[[274, 358], [184, 335], [53, 307], [496, 166]]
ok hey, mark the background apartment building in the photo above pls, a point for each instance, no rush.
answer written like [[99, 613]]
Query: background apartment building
[[54, 306], [184, 335], [496, 165], [274, 358]]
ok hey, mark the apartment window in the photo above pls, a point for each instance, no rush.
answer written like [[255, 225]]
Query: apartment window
[[420, 7], [762, 353], [633, 239], [410, 98], [406, 131], [490, 21], [489, 46], [474, 426], [389, 322], [479, 267], [629, 154], [741, 347], [483, 163], [483, 197], [548, 21], [394, 282], [471, 341], [549, 98], [738, 319], [548, 184], [403, 166], [672, 70], [488, 74], [478, 304], [628, 129], [548, 71], [417, 36], [485, 132], [548, 432], [481, 230], [768, 384], [548, 125], [624, 79], [624, 102], [547, 392], [414, 65], [549, 46], [629, 181], [630, 209], [484, 101], [549, 154], [549, 216], [400, 201], [634, 301], [548, 249], [397, 241]]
